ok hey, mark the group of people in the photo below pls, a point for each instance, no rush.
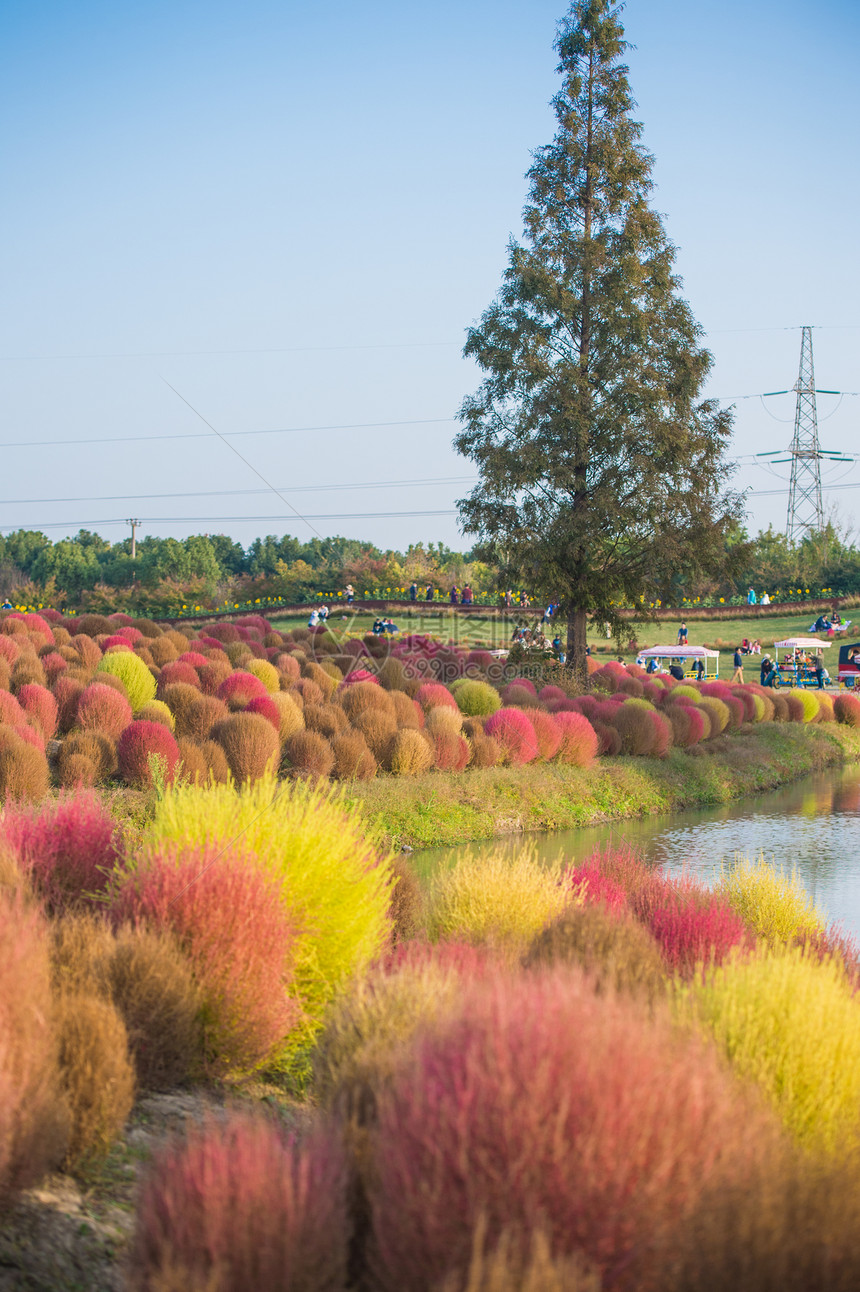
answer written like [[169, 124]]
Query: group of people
[[381, 626], [753, 600], [835, 624], [796, 661], [318, 615], [750, 648]]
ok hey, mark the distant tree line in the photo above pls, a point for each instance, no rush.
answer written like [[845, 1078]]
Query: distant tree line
[[87, 572]]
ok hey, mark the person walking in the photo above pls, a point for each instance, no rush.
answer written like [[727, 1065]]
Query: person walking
[[466, 598], [751, 597], [413, 591], [350, 594], [738, 675]]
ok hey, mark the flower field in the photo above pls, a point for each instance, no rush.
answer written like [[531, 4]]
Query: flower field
[[91, 701], [587, 1077]]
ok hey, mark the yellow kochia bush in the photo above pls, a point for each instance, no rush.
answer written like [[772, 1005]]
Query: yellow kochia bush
[[132, 672], [497, 899], [791, 1024], [266, 672], [775, 905], [333, 883]]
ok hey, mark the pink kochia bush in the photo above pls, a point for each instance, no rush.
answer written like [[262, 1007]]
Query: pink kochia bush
[[67, 849], [539, 1104], [237, 1206], [138, 744], [231, 922], [693, 927], [515, 734], [40, 707], [579, 743], [102, 708], [240, 688], [597, 887]]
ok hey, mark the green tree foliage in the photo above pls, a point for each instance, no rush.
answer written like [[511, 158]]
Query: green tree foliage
[[600, 468]]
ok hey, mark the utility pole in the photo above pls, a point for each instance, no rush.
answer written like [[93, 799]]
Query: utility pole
[[134, 524], [805, 508]]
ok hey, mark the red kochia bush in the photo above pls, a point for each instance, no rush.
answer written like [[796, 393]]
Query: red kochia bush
[[137, 743], [67, 848], [176, 671], [579, 742], [237, 1205], [847, 709], [597, 887], [693, 926], [540, 1104], [547, 733], [451, 751], [662, 734], [431, 694], [103, 708], [231, 922], [10, 710], [240, 688], [515, 734], [40, 707]]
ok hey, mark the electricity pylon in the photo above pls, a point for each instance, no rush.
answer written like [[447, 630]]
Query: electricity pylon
[[805, 508]]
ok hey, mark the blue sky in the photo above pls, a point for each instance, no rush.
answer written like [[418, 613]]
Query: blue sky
[[291, 214]]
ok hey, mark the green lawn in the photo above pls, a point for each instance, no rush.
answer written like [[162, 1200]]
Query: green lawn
[[473, 630]]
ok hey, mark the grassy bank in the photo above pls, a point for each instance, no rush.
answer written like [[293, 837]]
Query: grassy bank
[[440, 809]]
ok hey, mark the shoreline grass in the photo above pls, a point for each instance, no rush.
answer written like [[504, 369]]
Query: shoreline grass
[[438, 809]]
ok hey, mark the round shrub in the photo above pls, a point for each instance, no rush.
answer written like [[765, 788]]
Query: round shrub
[[157, 711], [101, 708], [579, 743], [138, 748], [774, 905], [497, 899], [322, 677], [515, 734], [451, 751], [213, 673], [266, 673], [308, 754], [693, 927], [442, 718], [250, 743], [195, 768], [409, 754], [352, 758], [66, 848], [96, 1074], [790, 1023], [406, 712], [134, 675], [378, 729], [332, 882], [365, 697], [516, 696], [478, 699], [92, 745], [77, 772], [176, 672], [235, 1205], [718, 713], [240, 688], [33, 1126], [328, 719], [194, 714], [473, 1132], [26, 671], [616, 952], [486, 751], [23, 771], [847, 709], [431, 694], [635, 728], [547, 733], [40, 707], [662, 734], [290, 719], [226, 913]]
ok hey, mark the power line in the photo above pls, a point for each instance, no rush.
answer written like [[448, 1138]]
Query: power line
[[226, 520], [186, 354], [201, 435], [234, 493]]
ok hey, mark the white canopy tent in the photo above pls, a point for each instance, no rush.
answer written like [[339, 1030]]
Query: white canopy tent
[[802, 643], [683, 653], [679, 652]]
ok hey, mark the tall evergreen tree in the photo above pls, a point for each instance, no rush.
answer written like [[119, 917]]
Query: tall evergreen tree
[[600, 467]]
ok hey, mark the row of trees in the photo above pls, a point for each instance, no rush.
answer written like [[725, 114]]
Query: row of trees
[[88, 572]]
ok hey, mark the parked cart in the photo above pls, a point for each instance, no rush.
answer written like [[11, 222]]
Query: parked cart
[[849, 665], [795, 669], [694, 660]]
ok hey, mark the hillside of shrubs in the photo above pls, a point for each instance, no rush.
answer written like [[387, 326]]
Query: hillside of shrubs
[[95, 701], [520, 1079]]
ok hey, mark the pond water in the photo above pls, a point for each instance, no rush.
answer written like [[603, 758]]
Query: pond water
[[813, 825]]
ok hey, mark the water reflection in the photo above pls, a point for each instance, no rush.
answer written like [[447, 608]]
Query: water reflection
[[813, 825]]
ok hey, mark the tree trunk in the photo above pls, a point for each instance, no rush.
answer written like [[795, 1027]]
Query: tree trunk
[[577, 622]]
